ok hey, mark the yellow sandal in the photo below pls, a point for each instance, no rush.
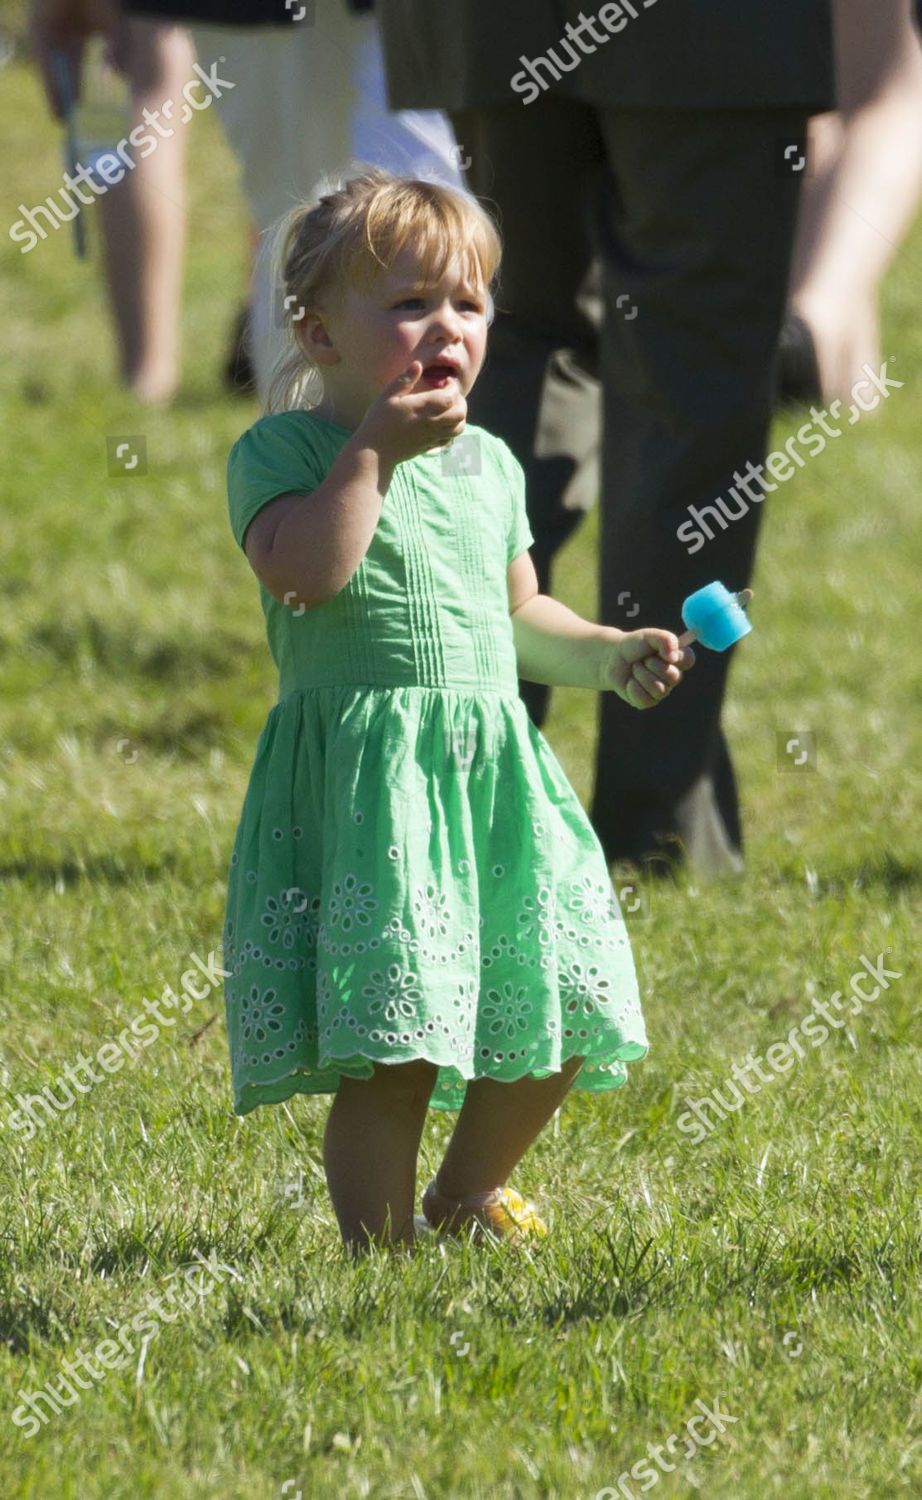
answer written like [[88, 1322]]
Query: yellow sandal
[[502, 1212]]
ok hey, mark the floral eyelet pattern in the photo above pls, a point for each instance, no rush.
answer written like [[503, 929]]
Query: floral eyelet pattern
[[469, 920]]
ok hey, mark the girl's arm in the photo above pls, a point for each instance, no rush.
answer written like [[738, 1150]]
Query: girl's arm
[[557, 647], [305, 548], [561, 649]]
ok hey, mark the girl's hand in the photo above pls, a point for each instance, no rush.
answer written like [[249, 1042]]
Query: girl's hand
[[403, 422], [643, 666]]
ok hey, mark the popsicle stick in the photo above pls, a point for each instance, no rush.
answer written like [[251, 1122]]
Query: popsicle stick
[[742, 599]]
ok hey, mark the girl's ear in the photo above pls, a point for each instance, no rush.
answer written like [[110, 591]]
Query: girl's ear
[[312, 335]]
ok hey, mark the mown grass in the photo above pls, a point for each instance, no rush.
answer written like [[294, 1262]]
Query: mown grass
[[775, 1266]]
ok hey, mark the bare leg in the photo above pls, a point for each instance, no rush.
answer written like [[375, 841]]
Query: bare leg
[[370, 1148], [865, 187], [497, 1124], [142, 219]]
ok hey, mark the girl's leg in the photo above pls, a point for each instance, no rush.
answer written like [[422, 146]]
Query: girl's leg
[[370, 1148], [497, 1124]]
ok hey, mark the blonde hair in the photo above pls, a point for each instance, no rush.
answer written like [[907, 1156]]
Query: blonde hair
[[353, 232]]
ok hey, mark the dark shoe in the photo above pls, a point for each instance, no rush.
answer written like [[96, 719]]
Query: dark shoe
[[698, 840], [660, 856], [797, 373]]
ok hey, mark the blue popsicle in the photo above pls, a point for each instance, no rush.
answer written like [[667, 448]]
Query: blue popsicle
[[715, 617]]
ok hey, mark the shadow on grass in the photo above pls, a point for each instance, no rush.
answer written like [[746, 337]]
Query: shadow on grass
[[110, 869], [132, 653], [561, 1283], [152, 1255], [885, 872], [188, 737]]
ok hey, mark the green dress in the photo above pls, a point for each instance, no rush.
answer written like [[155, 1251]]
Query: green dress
[[412, 875]]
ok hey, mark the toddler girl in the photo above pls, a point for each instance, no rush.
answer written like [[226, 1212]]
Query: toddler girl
[[419, 911]]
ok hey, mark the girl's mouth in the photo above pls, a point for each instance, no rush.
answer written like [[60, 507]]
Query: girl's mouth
[[438, 375]]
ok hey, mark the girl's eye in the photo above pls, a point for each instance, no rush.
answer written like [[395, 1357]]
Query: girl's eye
[[417, 302]]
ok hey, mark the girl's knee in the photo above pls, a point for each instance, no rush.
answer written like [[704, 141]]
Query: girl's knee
[[409, 1082]]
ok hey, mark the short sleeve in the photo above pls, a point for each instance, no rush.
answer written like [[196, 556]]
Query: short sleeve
[[519, 536], [273, 457]]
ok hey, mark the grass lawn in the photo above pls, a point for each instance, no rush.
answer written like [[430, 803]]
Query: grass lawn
[[772, 1266]]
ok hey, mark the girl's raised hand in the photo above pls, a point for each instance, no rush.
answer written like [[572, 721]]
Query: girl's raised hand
[[643, 666], [403, 421]]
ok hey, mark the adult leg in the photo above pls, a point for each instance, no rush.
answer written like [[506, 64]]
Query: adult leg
[[370, 1147], [142, 219], [864, 190], [695, 224], [539, 389]]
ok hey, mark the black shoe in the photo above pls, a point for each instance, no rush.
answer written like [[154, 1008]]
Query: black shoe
[[690, 835], [797, 373], [660, 857], [239, 376]]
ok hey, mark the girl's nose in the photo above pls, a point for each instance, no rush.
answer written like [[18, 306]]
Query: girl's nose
[[446, 320]]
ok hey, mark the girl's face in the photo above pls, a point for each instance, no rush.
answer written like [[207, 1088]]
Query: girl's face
[[364, 340]]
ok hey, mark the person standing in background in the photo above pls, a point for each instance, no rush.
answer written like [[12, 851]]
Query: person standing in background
[[142, 220], [643, 163], [304, 97], [862, 191]]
